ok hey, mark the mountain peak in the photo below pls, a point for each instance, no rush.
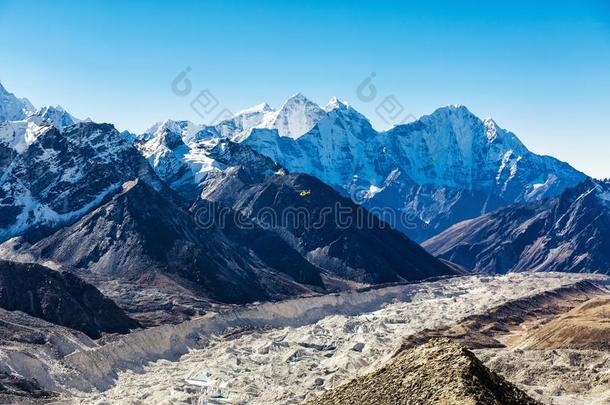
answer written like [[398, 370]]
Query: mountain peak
[[298, 97], [295, 118], [335, 104], [11, 107], [184, 128], [259, 108], [453, 109], [3, 89]]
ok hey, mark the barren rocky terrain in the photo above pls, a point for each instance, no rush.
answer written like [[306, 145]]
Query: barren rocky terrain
[[267, 357]]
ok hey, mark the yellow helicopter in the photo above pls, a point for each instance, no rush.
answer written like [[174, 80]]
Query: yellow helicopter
[[304, 193]]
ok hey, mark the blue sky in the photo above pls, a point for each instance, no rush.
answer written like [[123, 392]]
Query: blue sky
[[540, 69]]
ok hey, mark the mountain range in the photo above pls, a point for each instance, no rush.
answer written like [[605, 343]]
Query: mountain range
[[436, 171], [128, 215], [184, 216]]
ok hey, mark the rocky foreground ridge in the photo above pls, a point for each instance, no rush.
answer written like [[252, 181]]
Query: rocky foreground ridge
[[439, 372]]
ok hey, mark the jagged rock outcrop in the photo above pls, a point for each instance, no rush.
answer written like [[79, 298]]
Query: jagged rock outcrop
[[61, 298], [439, 372]]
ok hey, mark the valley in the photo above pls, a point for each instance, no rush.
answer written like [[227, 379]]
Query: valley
[[293, 351]]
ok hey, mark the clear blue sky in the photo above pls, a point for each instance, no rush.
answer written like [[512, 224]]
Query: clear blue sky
[[539, 68]]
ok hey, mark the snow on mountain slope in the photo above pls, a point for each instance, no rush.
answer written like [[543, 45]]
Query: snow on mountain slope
[[56, 116], [440, 169], [295, 118], [242, 121], [331, 151], [186, 128], [16, 136], [13, 108], [61, 175], [185, 164], [432, 173]]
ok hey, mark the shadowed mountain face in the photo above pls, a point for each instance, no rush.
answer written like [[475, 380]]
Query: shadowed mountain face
[[144, 236], [332, 232], [570, 233], [60, 298]]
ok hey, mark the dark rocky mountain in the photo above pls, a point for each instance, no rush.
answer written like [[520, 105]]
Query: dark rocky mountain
[[438, 372], [61, 298], [332, 232], [147, 238], [570, 233]]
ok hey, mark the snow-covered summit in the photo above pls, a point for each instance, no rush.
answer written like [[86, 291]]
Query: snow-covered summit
[[56, 116], [185, 128], [296, 117], [18, 135], [335, 103], [259, 108], [13, 108]]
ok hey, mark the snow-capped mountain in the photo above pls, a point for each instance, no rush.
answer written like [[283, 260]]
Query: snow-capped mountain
[[436, 171], [432, 173], [242, 121], [185, 128], [55, 116], [182, 157], [569, 233], [60, 175], [17, 136], [13, 108], [182, 166], [294, 118]]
